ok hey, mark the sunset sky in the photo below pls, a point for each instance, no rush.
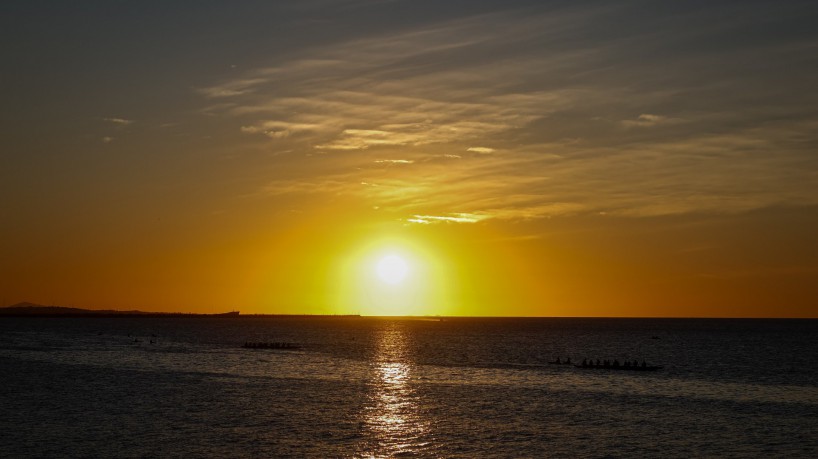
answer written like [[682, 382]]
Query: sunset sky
[[519, 157]]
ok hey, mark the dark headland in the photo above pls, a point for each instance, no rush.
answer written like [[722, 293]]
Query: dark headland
[[36, 310]]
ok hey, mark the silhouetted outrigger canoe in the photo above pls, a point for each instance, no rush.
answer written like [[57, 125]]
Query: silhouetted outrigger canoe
[[621, 367]]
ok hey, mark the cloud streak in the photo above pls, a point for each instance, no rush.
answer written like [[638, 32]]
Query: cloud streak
[[119, 121], [455, 218]]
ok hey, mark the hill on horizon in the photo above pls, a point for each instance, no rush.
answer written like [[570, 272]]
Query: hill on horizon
[[32, 309]]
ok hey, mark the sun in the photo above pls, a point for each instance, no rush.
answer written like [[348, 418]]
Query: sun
[[392, 269], [394, 276]]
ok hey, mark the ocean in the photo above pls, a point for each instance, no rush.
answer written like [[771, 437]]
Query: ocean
[[378, 387]]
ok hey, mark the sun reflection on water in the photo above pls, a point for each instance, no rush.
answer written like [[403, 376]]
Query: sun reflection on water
[[392, 419]]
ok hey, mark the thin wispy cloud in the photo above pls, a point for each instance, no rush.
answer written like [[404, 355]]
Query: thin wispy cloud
[[119, 121], [394, 161], [454, 218], [648, 120], [484, 150]]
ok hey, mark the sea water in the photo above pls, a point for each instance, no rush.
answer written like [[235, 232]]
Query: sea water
[[370, 387]]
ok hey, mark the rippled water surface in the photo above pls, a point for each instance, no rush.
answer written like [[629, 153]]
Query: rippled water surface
[[365, 387]]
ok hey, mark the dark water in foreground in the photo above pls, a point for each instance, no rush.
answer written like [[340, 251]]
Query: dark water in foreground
[[406, 388]]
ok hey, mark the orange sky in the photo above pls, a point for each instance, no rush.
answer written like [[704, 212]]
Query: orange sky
[[524, 158]]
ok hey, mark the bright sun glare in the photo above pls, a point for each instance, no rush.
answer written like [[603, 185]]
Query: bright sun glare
[[394, 277], [392, 269]]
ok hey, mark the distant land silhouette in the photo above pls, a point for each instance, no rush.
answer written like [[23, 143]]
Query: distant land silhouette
[[31, 309], [26, 309]]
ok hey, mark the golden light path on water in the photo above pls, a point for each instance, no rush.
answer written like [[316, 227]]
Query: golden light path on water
[[392, 417]]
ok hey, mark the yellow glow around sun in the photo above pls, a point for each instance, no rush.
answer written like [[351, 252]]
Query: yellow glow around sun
[[392, 269], [394, 277]]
